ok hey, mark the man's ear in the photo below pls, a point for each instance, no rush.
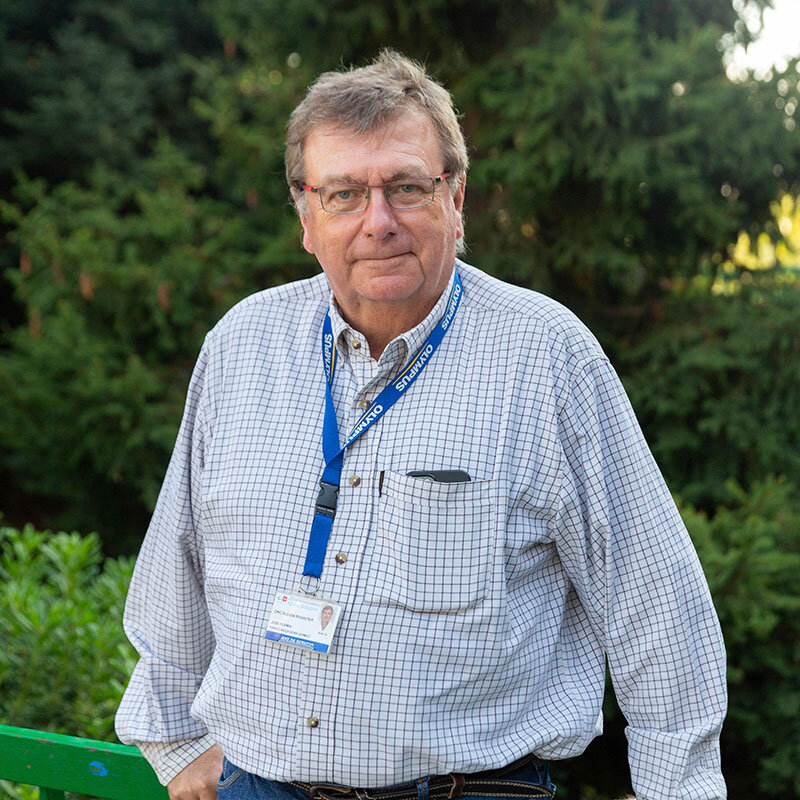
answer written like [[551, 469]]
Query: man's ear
[[308, 245], [306, 239], [458, 202]]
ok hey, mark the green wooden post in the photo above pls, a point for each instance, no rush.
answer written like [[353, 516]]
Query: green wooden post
[[50, 794], [59, 763]]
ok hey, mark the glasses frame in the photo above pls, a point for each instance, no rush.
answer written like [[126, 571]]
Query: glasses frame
[[437, 179]]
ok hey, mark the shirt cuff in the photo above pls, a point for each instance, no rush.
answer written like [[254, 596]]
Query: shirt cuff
[[168, 758]]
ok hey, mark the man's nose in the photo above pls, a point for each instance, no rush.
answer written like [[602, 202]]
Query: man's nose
[[380, 219]]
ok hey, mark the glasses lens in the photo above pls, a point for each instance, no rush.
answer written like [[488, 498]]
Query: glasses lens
[[344, 199], [410, 192]]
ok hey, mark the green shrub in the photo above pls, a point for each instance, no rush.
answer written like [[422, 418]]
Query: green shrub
[[751, 555], [716, 386], [65, 659]]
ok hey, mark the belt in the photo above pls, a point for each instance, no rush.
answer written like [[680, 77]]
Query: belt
[[454, 785]]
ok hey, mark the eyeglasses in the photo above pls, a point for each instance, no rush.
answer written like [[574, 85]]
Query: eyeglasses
[[353, 198]]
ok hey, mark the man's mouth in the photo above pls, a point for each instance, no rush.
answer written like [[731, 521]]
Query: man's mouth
[[381, 257]]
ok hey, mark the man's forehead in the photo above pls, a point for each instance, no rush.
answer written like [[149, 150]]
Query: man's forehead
[[402, 148], [382, 177]]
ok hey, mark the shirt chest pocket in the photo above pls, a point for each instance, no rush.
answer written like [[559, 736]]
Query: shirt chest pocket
[[433, 547]]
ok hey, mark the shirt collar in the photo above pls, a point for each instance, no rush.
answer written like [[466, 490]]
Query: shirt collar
[[403, 345]]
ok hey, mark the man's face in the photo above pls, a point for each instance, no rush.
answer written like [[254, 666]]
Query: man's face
[[326, 615], [382, 255]]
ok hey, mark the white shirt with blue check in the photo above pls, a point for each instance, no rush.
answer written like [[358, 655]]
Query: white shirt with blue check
[[477, 616]]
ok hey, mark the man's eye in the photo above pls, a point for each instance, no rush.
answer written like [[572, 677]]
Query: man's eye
[[343, 194], [407, 190]]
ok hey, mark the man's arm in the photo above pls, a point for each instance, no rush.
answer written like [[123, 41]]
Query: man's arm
[[636, 572], [166, 618]]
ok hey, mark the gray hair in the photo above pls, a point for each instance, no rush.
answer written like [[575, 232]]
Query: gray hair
[[366, 98]]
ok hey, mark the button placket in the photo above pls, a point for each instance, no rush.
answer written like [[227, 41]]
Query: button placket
[[361, 503], [317, 707], [318, 704]]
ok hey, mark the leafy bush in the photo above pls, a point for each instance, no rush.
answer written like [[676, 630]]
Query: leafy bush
[[716, 385], [65, 659], [601, 134], [751, 555]]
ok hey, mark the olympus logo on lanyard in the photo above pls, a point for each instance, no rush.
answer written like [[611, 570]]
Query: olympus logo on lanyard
[[372, 413], [416, 366]]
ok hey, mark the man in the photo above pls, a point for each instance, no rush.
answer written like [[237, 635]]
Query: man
[[450, 462], [325, 617]]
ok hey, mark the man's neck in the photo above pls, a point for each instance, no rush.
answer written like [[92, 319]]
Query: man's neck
[[380, 323]]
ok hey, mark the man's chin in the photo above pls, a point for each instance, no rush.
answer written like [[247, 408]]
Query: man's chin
[[393, 288]]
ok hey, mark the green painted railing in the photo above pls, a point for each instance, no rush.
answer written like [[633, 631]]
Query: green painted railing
[[57, 763]]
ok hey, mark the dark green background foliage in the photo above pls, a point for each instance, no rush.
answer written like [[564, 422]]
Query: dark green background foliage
[[613, 167], [717, 389]]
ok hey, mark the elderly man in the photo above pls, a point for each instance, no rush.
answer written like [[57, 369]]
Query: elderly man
[[446, 462]]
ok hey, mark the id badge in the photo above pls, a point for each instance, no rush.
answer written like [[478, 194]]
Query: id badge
[[301, 620]]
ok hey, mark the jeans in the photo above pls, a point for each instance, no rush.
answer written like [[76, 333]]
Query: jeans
[[236, 784]]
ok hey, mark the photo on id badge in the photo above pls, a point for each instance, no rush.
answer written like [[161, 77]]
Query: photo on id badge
[[304, 621]]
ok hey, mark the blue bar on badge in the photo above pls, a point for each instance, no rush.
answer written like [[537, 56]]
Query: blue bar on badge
[[306, 644]]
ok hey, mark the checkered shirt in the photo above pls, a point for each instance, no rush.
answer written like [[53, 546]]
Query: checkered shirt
[[477, 616]]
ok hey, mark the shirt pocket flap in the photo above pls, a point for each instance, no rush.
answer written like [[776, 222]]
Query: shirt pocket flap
[[434, 544]]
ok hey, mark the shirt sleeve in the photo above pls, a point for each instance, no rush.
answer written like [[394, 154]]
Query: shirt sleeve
[[166, 618], [633, 565], [168, 758]]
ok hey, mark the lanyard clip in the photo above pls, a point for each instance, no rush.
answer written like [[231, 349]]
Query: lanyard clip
[[326, 499]]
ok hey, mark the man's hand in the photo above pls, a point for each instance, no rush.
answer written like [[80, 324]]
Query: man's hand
[[198, 781]]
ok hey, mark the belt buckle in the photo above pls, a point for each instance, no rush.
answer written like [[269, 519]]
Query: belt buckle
[[317, 791]]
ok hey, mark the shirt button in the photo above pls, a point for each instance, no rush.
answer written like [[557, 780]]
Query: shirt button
[[364, 404], [356, 344], [341, 558], [355, 480], [312, 722]]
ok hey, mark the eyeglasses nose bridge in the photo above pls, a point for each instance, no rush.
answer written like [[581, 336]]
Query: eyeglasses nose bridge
[[384, 190]]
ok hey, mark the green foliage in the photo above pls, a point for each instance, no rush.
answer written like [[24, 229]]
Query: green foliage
[[606, 143], [716, 385], [602, 134], [751, 555], [87, 81], [65, 660], [122, 280]]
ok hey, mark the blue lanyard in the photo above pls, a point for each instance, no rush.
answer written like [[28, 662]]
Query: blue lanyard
[[333, 453]]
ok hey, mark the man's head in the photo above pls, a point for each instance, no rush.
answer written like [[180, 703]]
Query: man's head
[[370, 126], [363, 99], [325, 616]]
